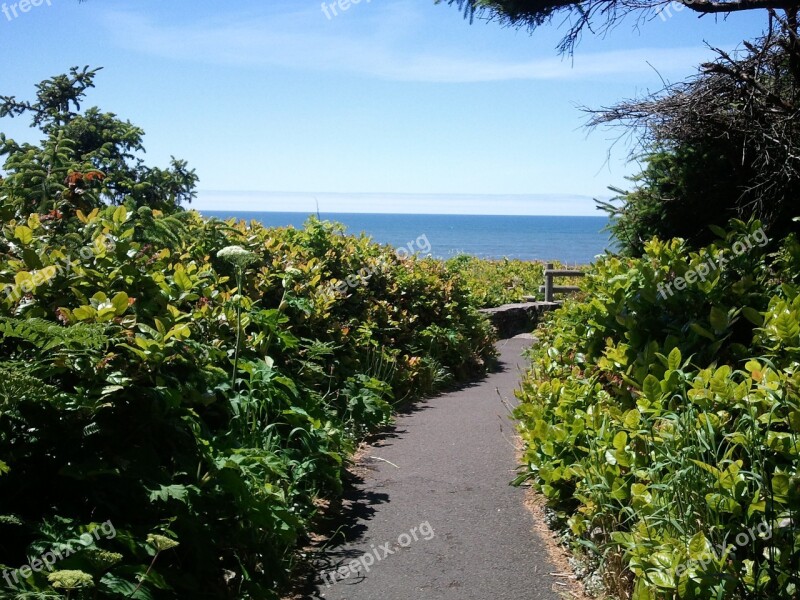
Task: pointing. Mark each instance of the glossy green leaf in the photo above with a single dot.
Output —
(23, 234)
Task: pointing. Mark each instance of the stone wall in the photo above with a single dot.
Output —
(513, 319)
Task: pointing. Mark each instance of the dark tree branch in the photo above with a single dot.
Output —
(598, 15)
(746, 102)
(709, 7)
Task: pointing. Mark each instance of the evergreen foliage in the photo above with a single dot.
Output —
(86, 159)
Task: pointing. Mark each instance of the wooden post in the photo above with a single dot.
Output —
(548, 283)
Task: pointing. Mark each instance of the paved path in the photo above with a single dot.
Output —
(442, 476)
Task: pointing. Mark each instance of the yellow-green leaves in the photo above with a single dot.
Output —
(84, 313)
(28, 282)
(180, 331)
(782, 324)
(651, 388)
(686, 440)
(23, 234)
(120, 215)
(120, 303)
(641, 498)
(632, 419)
(90, 218)
(34, 222)
(182, 280)
(782, 486)
(674, 359)
(699, 547)
(103, 308)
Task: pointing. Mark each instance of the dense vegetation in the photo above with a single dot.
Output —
(722, 145)
(661, 419)
(497, 282)
(662, 411)
(208, 396)
(86, 158)
(178, 396)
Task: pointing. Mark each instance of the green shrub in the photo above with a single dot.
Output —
(201, 403)
(716, 146)
(496, 282)
(663, 428)
(696, 179)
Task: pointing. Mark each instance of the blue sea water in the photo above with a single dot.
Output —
(572, 240)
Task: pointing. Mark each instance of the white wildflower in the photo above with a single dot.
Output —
(237, 256)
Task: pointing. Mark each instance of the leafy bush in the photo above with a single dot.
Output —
(663, 427)
(720, 145)
(496, 282)
(697, 179)
(87, 158)
(198, 385)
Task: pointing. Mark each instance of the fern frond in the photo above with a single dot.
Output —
(16, 384)
(46, 335)
(163, 231)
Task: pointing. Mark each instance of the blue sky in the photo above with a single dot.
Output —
(390, 106)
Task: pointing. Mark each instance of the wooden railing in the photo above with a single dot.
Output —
(549, 289)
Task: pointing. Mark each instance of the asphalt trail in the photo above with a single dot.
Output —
(444, 469)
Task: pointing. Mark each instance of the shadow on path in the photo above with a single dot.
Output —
(430, 513)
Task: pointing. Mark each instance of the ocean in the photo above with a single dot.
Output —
(571, 240)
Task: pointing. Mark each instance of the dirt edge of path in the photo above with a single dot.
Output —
(564, 579)
(306, 570)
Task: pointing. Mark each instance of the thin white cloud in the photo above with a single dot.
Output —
(386, 49)
(445, 204)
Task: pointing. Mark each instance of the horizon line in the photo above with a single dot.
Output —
(389, 214)
(537, 204)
